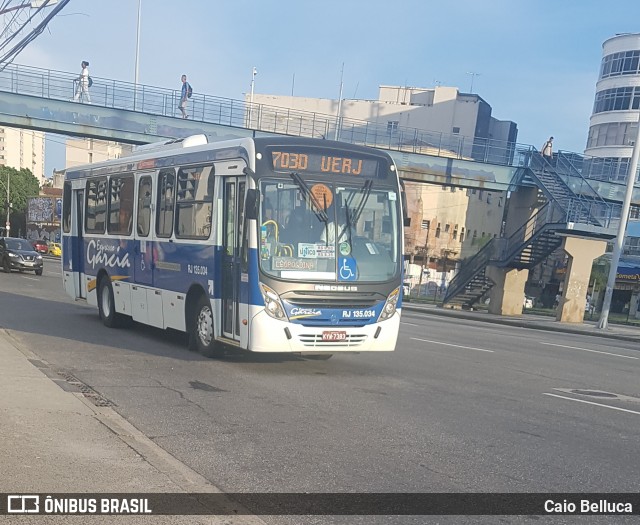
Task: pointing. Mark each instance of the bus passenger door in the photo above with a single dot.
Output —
(233, 216)
(143, 252)
(78, 256)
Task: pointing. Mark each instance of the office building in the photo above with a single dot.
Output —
(461, 122)
(23, 149)
(87, 151)
(614, 120)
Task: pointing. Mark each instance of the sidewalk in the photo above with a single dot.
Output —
(536, 322)
(54, 440)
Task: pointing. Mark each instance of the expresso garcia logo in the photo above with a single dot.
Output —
(101, 254)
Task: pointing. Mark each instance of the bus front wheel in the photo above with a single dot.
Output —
(201, 337)
(107, 306)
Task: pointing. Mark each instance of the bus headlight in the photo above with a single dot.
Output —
(390, 306)
(272, 304)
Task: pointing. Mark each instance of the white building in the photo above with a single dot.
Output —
(87, 151)
(455, 121)
(613, 123)
(23, 149)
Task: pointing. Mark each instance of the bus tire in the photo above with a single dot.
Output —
(201, 336)
(106, 304)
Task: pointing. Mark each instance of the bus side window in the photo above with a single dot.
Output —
(144, 206)
(120, 205)
(166, 202)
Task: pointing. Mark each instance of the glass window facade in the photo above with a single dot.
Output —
(612, 134)
(617, 99)
(623, 63)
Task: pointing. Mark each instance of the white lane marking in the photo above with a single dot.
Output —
(53, 273)
(410, 324)
(588, 350)
(592, 403)
(30, 278)
(449, 344)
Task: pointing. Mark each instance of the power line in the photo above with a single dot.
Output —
(13, 52)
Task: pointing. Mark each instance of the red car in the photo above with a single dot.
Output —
(41, 246)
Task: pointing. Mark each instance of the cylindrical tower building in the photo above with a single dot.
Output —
(614, 121)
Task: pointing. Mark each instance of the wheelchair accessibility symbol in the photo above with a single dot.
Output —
(347, 269)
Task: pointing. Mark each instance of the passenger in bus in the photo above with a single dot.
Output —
(300, 227)
(269, 214)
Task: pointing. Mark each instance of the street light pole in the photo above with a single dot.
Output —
(339, 104)
(8, 224)
(425, 257)
(603, 322)
(253, 81)
(135, 82)
(254, 72)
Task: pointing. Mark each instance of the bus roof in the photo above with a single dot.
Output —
(195, 144)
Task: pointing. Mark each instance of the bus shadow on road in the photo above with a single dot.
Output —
(70, 321)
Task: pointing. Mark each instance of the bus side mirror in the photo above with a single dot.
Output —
(403, 199)
(251, 204)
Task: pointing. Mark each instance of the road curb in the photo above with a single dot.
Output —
(458, 314)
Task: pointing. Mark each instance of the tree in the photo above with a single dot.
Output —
(600, 273)
(22, 185)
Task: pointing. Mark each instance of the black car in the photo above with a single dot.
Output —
(18, 254)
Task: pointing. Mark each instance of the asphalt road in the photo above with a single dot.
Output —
(460, 406)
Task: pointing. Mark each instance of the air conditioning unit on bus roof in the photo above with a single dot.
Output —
(187, 142)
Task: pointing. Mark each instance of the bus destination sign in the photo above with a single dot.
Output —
(324, 163)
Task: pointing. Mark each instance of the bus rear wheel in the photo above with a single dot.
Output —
(201, 337)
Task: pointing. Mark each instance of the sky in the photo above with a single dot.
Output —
(537, 62)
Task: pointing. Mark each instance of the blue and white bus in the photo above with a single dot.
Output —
(270, 244)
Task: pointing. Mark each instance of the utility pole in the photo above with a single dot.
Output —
(603, 322)
(339, 104)
(8, 224)
(135, 81)
(425, 256)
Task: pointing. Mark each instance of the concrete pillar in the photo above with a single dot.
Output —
(581, 251)
(522, 204)
(507, 295)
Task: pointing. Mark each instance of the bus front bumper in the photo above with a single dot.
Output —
(270, 335)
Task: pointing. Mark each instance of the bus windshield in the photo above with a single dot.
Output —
(321, 231)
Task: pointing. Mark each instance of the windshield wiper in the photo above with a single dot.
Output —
(353, 217)
(320, 213)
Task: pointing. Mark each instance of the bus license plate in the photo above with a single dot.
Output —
(334, 335)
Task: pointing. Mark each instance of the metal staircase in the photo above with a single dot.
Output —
(562, 182)
(576, 208)
(471, 283)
